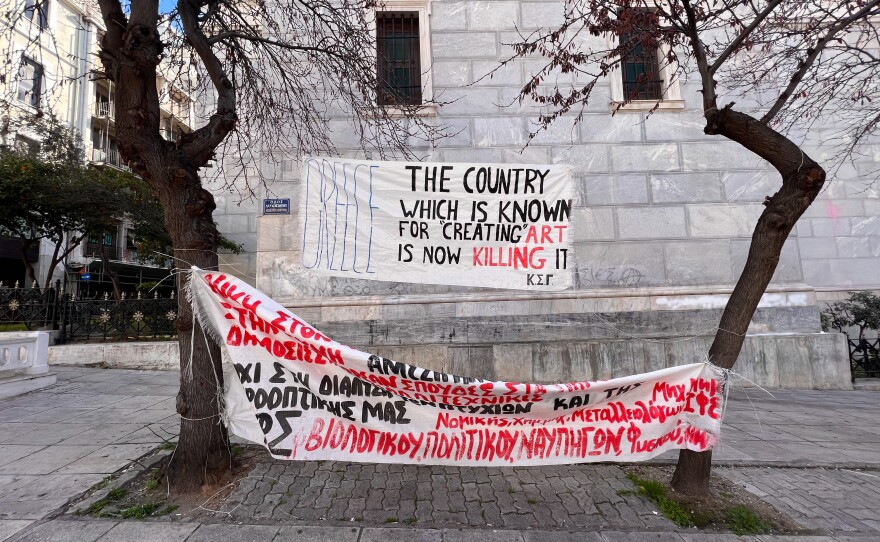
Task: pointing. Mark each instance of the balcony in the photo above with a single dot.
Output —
(117, 253)
(93, 250)
(110, 158)
(105, 110)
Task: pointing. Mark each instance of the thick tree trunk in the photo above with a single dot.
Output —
(130, 52)
(202, 455)
(691, 475)
(802, 179)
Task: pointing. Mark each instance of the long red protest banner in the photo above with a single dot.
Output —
(305, 396)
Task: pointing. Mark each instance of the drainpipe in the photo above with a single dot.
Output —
(83, 39)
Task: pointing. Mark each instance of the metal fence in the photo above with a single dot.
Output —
(134, 317)
(864, 357)
(31, 308)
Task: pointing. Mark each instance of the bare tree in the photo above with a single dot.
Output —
(812, 59)
(272, 74)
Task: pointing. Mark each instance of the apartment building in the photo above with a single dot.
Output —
(55, 68)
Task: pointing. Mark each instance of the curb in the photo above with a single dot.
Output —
(114, 481)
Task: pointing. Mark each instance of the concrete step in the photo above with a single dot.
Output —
(11, 386)
(867, 384)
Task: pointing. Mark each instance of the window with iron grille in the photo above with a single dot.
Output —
(30, 82)
(399, 64)
(640, 70)
(36, 11)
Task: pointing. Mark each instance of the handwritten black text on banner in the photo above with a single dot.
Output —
(505, 226)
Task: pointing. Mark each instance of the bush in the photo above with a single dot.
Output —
(861, 310)
(743, 521)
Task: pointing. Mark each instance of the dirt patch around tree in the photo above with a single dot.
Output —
(146, 495)
(728, 507)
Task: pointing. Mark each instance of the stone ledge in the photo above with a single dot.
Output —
(162, 355)
(420, 325)
(776, 360)
(792, 360)
(20, 384)
(793, 295)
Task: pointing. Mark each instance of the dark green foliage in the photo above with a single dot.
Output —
(53, 193)
(140, 511)
(97, 507)
(861, 310)
(742, 520)
(117, 493)
(739, 519)
(656, 492)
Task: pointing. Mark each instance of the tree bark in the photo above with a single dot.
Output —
(202, 455)
(29, 267)
(130, 52)
(802, 179)
(55, 260)
(110, 272)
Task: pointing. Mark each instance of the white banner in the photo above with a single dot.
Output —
(305, 396)
(490, 225)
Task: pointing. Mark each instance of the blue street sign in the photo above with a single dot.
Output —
(276, 206)
(85, 276)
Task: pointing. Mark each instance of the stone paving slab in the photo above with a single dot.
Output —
(45, 434)
(57, 442)
(37, 509)
(73, 530)
(68, 531)
(139, 531)
(9, 527)
(557, 497)
(234, 533)
(833, 500)
(53, 486)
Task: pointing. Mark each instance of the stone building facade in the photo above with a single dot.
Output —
(663, 216)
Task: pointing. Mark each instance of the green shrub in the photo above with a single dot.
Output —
(656, 492)
(742, 521)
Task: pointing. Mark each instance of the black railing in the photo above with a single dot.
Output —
(88, 319)
(864, 358)
(28, 308)
(108, 319)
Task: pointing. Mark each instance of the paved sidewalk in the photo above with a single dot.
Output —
(816, 429)
(58, 442)
(128, 531)
(801, 428)
(831, 500)
(558, 497)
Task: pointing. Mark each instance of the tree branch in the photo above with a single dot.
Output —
(813, 54)
(289, 46)
(734, 45)
(700, 56)
(199, 145)
(116, 24)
